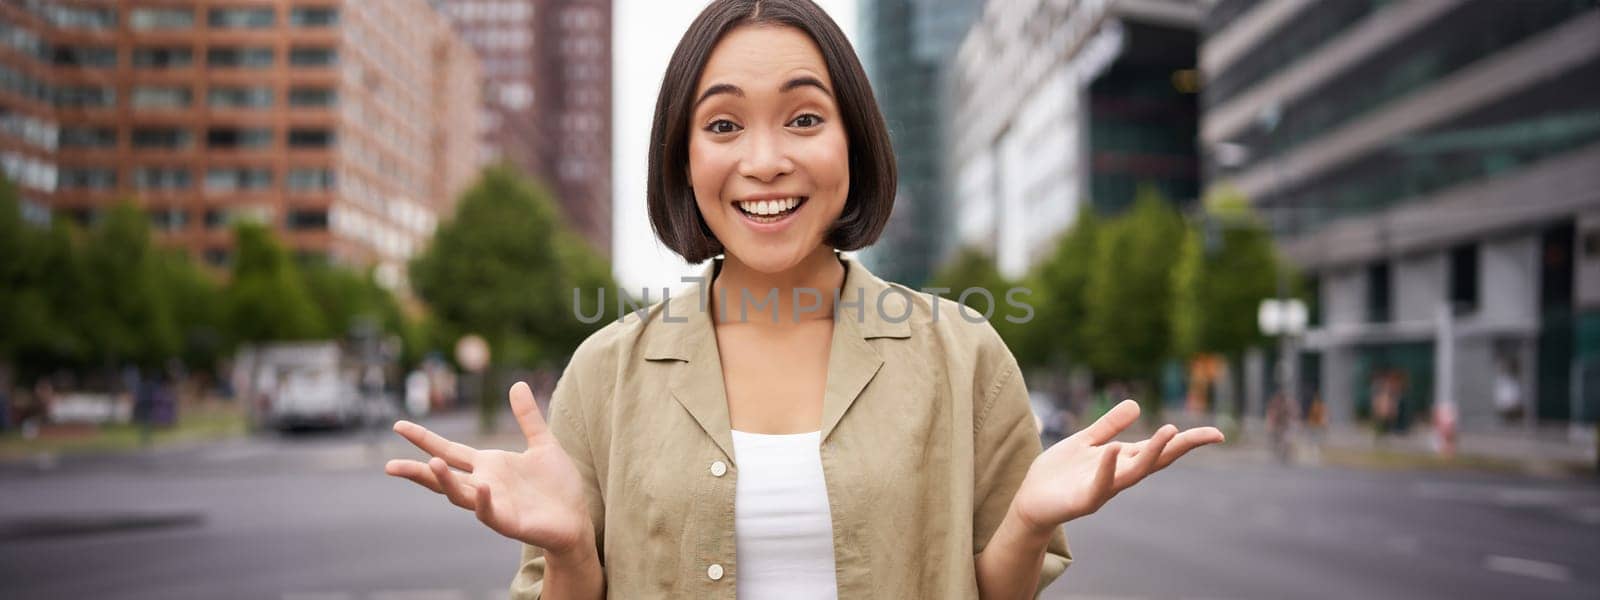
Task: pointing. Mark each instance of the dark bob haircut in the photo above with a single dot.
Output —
(673, 212)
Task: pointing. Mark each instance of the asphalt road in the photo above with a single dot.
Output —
(314, 517)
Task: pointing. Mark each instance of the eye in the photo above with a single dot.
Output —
(806, 121)
(722, 126)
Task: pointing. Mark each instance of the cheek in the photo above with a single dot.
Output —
(708, 168)
(828, 163)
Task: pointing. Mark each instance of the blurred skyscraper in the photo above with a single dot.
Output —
(1423, 159)
(1061, 106)
(547, 97)
(347, 126)
(906, 45)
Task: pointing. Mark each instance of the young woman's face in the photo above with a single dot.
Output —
(768, 157)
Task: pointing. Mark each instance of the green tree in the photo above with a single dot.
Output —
(1129, 304)
(1228, 266)
(130, 318)
(345, 295)
(41, 280)
(1060, 286)
(195, 300)
(973, 268)
(505, 268)
(267, 299)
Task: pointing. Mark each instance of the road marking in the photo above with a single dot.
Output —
(1528, 568)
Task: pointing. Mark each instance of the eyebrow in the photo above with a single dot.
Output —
(728, 88)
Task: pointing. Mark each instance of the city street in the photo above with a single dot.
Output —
(313, 516)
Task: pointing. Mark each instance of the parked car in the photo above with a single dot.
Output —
(304, 384)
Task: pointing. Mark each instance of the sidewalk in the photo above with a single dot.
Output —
(1551, 451)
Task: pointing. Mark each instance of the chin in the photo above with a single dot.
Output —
(770, 257)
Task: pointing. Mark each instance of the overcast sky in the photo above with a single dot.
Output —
(643, 37)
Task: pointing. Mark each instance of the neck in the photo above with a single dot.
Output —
(742, 294)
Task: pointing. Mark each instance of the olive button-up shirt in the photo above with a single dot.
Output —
(926, 434)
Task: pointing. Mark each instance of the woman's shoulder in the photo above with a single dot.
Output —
(934, 315)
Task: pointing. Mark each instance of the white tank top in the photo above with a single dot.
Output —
(783, 529)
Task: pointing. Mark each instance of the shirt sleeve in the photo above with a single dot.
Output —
(566, 423)
(1007, 442)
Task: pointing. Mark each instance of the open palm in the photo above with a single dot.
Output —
(534, 496)
(1077, 475)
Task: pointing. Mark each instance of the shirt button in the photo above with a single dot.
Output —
(718, 469)
(714, 572)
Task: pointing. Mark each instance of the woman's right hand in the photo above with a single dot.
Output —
(534, 496)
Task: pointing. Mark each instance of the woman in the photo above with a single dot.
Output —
(752, 439)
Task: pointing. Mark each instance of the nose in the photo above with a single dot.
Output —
(766, 156)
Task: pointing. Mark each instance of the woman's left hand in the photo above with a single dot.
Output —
(1077, 475)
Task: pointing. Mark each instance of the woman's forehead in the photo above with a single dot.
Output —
(762, 59)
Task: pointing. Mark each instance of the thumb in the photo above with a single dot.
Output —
(527, 412)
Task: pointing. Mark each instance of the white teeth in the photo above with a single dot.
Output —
(769, 207)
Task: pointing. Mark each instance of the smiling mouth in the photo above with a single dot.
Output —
(770, 211)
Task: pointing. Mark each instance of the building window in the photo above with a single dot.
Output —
(313, 57)
(84, 216)
(174, 57)
(80, 17)
(86, 96)
(162, 96)
(25, 85)
(170, 138)
(87, 137)
(308, 96)
(217, 218)
(242, 18)
(84, 56)
(306, 219)
(314, 16)
(168, 219)
(254, 57)
(1464, 279)
(238, 138)
(310, 138)
(240, 97)
(1378, 298)
(33, 130)
(218, 257)
(161, 178)
(309, 180)
(238, 179)
(88, 178)
(141, 19)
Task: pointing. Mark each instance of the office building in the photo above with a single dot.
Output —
(905, 45)
(1431, 166)
(1059, 107)
(349, 127)
(547, 97)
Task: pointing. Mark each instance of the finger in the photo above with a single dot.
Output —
(1110, 424)
(1106, 475)
(459, 494)
(455, 454)
(527, 411)
(415, 471)
(485, 508)
(1149, 456)
(1188, 440)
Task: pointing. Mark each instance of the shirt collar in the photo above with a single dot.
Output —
(683, 332)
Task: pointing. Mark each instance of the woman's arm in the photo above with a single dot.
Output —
(1009, 566)
(1073, 479)
(575, 573)
(1013, 559)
